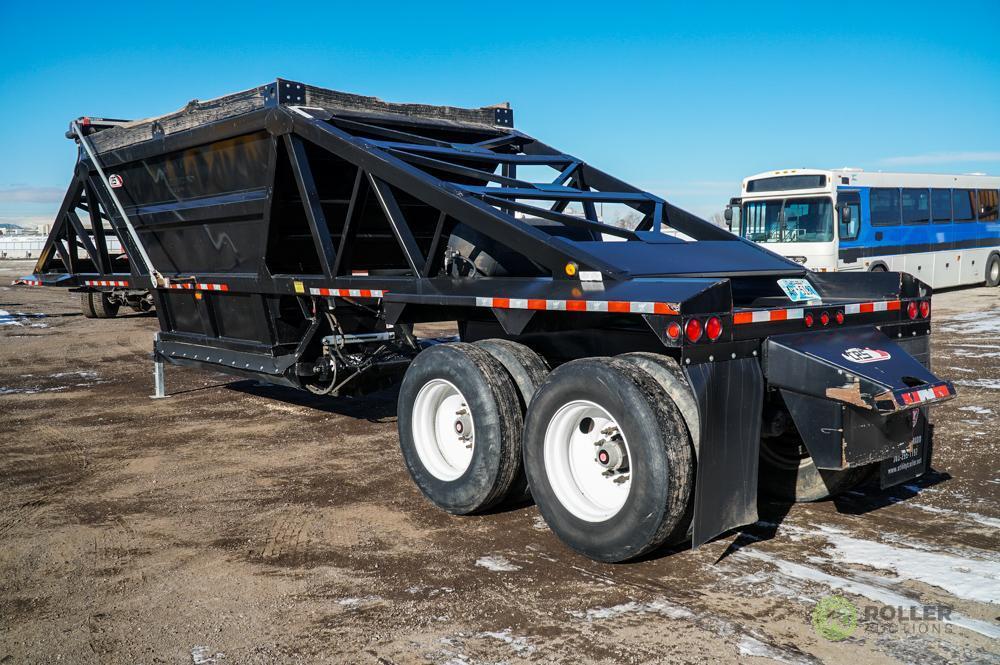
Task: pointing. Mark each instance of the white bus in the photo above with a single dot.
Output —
(942, 229)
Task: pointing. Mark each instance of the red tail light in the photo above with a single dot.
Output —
(713, 328)
(809, 320)
(674, 330)
(693, 330)
(925, 309)
(839, 316)
(824, 318)
(911, 310)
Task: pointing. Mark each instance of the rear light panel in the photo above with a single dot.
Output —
(697, 329)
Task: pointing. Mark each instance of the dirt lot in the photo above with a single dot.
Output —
(240, 523)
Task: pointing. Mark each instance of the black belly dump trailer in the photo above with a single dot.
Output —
(640, 381)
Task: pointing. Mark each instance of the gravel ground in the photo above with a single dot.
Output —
(241, 523)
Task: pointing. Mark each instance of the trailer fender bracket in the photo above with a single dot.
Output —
(861, 368)
(730, 398)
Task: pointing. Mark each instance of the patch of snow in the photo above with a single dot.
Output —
(92, 376)
(964, 577)
(539, 523)
(973, 323)
(975, 517)
(989, 384)
(869, 590)
(30, 390)
(979, 410)
(751, 646)
(17, 318)
(204, 656)
(354, 603)
(658, 606)
(517, 643)
(497, 564)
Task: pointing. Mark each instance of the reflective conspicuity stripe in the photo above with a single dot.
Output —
(613, 306)
(938, 391)
(106, 282)
(869, 307)
(191, 286)
(767, 315)
(27, 282)
(348, 293)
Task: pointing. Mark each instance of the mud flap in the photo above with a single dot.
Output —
(730, 400)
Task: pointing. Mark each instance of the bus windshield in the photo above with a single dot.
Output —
(788, 220)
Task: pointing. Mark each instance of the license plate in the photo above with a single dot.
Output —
(911, 462)
(798, 290)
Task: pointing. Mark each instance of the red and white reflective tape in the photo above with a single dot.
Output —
(927, 394)
(348, 293)
(28, 282)
(191, 286)
(768, 315)
(106, 282)
(869, 307)
(613, 306)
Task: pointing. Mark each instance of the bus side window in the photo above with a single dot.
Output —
(988, 205)
(961, 203)
(851, 201)
(941, 205)
(916, 206)
(884, 206)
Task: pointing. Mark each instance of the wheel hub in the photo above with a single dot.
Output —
(587, 461)
(444, 432)
(611, 453)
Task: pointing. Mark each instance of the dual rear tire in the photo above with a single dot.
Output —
(98, 305)
(605, 450)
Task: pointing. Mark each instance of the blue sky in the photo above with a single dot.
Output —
(683, 99)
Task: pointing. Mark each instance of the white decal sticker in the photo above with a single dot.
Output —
(865, 355)
(115, 181)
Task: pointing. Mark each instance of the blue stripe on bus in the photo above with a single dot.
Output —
(914, 238)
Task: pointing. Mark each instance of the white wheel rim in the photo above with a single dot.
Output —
(443, 430)
(582, 485)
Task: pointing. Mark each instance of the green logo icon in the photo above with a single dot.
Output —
(835, 618)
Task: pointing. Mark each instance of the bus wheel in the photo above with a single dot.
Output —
(788, 473)
(878, 267)
(609, 459)
(993, 270)
(460, 427)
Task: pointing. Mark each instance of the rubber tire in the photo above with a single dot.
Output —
(672, 379)
(528, 370)
(494, 404)
(994, 260)
(87, 306)
(103, 307)
(878, 267)
(655, 510)
(807, 483)
(489, 257)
